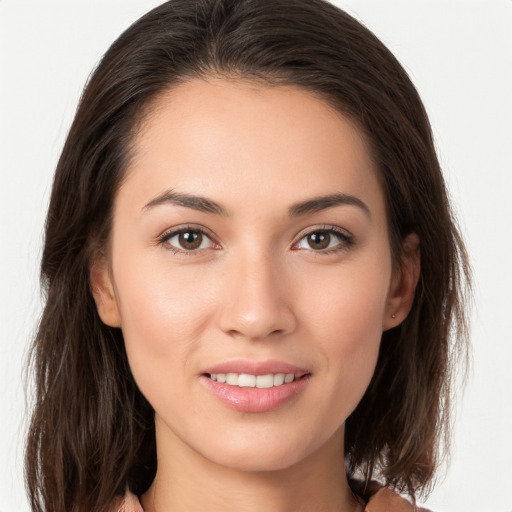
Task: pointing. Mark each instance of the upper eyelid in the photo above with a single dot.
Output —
(325, 228)
(170, 232)
(163, 240)
(346, 238)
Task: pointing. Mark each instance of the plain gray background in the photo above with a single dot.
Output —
(459, 55)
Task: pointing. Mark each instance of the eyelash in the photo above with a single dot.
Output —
(345, 239)
(164, 238)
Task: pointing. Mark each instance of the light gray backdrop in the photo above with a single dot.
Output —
(458, 53)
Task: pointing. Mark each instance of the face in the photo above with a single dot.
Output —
(250, 271)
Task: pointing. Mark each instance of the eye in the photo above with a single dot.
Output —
(325, 240)
(187, 240)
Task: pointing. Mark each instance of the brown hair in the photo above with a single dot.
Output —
(92, 431)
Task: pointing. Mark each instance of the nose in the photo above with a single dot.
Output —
(257, 300)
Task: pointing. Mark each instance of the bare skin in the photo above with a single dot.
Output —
(283, 260)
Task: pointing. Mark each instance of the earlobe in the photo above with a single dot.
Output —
(102, 290)
(403, 286)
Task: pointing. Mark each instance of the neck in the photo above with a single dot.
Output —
(186, 481)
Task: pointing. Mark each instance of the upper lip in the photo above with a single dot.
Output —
(256, 368)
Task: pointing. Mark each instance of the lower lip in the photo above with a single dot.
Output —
(255, 399)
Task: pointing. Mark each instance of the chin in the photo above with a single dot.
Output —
(250, 454)
(252, 461)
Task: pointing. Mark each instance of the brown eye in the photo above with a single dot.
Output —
(190, 240)
(319, 240)
(325, 240)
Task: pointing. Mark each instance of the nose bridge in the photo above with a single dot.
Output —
(257, 302)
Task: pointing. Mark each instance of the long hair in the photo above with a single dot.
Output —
(92, 431)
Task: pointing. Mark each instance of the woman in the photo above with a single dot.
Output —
(253, 276)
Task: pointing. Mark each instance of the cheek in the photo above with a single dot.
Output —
(162, 316)
(345, 320)
(346, 303)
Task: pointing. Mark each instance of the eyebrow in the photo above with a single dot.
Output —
(205, 205)
(201, 204)
(320, 203)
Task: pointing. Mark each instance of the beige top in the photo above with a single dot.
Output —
(383, 500)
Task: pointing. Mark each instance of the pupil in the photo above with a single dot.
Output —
(319, 240)
(190, 240)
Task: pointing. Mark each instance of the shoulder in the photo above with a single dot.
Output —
(379, 499)
(385, 500)
(127, 503)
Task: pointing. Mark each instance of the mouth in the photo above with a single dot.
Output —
(256, 387)
(247, 380)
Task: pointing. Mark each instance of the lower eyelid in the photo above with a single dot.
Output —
(164, 238)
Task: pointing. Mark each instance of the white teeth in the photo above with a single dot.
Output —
(232, 379)
(264, 381)
(245, 380)
(278, 379)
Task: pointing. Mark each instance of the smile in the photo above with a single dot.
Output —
(255, 392)
(245, 380)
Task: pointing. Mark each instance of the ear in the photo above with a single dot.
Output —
(403, 284)
(102, 290)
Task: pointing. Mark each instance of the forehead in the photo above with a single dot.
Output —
(237, 141)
